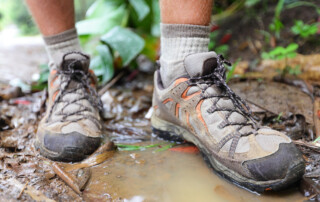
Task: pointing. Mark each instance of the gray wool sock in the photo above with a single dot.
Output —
(58, 45)
(178, 41)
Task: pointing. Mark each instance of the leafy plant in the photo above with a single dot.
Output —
(304, 30)
(115, 32)
(284, 53)
(219, 48)
(278, 118)
(276, 24)
(230, 72)
(280, 52)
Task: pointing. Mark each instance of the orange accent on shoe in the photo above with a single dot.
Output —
(178, 81)
(177, 110)
(53, 72)
(167, 100)
(188, 121)
(91, 71)
(198, 109)
(52, 82)
(187, 97)
(155, 107)
(55, 95)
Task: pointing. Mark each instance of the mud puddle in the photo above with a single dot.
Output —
(166, 176)
(160, 172)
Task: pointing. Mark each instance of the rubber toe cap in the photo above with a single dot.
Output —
(72, 146)
(286, 161)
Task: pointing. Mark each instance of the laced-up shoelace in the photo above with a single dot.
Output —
(82, 79)
(218, 78)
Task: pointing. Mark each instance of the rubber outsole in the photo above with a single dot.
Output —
(69, 154)
(171, 132)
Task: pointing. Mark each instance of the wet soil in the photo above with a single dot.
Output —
(159, 173)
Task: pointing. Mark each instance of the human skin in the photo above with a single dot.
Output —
(56, 16)
(52, 16)
(194, 12)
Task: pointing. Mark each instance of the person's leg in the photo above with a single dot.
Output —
(184, 30)
(193, 102)
(56, 22)
(71, 127)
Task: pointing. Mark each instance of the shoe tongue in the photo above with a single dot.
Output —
(200, 64)
(75, 61)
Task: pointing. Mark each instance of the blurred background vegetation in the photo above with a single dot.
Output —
(125, 33)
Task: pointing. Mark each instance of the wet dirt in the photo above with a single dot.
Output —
(159, 173)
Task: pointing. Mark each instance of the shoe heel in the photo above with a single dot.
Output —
(166, 135)
(166, 130)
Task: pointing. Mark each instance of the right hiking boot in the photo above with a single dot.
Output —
(199, 107)
(71, 127)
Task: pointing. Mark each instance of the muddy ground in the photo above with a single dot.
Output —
(137, 174)
(143, 167)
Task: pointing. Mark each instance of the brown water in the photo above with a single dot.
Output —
(167, 176)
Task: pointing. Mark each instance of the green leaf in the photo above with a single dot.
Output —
(102, 7)
(291, 55)
(127, 43)
(102, 24)
(231, 70)
(155, 29)
(141, 7)
(102, 64)
(292, 47)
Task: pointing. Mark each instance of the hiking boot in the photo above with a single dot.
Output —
(71, 127)
(200, 108)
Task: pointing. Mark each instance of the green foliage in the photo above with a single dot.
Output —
(15, 12)
(42, 81)
(230, 72)
(284, 53)
(276, 24)
(127, 43)
(120, 29)
(222, 49)
(278, 118)
(281, 53)
(304, 30)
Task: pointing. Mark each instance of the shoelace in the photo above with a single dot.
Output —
(82, 79)
(218, 78)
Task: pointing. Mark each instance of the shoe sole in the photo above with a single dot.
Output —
(170, 131)
(70, 153)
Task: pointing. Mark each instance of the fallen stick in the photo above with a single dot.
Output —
(66, 177)
(22, 190)
(110, 84)
(103, 153)
(316, 115)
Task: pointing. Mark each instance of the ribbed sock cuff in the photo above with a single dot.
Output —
(178, 41)
(183, 30)
(61, 37)
(60, 44)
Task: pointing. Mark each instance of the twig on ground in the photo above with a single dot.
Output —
(69, 180)
(22, 190)
(110, 84)
(316, 115)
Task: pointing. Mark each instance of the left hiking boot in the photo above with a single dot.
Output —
(201, 108)
(71, 127)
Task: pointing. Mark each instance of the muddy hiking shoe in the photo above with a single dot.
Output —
(71, 127)
(200, 108)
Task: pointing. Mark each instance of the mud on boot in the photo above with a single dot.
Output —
(71, 127)
(201, 108)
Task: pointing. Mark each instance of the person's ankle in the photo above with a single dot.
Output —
(178, 41)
